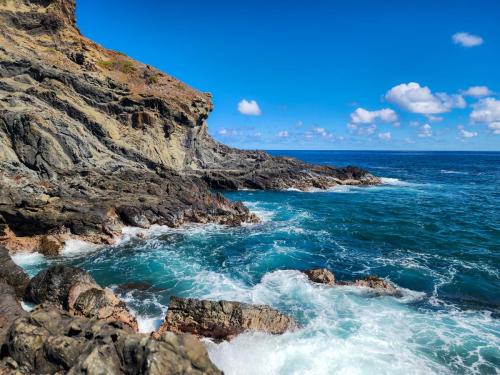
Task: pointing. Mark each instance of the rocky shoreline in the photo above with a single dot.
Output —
(78, 327)
(92, 140)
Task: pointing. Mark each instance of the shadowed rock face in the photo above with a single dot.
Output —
(49, 341)
(222, 319)
(10, 310)
(92, 140)
(12, 274)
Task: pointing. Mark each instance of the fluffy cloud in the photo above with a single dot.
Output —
(417, 99)
(363, 116)
(477, 91)
(495, 127)
(487, 111)
(466, 39)
(362, 129)
(323, 132)
(466, 134)
(425, 131)
(384, 136)
(249, 108)
(283, 134)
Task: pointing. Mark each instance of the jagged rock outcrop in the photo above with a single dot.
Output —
(222, 320)
(12, 274)
(91, 140)
(49, 341)
(321, 276)
(377, 285)
(76, 291)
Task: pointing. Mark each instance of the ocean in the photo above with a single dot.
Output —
(432, 228)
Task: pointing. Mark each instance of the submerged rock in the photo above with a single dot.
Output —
(321, 276)
(49, 341)
(12, 274)
(222, 320)
(76, 291)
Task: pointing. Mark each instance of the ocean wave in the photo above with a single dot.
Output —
(27, 259)
(445, 171)
(394, 181)
(74, 248)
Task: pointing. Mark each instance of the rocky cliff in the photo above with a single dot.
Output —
(91, 140)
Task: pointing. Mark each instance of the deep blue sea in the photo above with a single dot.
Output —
(433, 229)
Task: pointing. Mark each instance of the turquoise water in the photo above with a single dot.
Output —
(433, 229)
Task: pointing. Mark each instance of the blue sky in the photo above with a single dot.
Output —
(402, 75)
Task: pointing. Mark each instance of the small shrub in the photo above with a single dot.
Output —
(124, 66)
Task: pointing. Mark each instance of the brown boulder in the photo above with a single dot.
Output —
(321, 275)
(222, 319)
(379, 286)
(76, 291)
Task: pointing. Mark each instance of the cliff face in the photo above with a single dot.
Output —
(91, 139)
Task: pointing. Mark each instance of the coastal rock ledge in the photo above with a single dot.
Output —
(222, 320)
(92, 140)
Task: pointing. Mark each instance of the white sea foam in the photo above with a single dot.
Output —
(262, 213)
(346, 331)
(445, 171)
(27, 306)
(27, 259)
(393, 181)
(78, 247)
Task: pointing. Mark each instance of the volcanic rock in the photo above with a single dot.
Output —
(77, 292)
(222, 320)
(321, 276)
(10, 310)
(49, 341)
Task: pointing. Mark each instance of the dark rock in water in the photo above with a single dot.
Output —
(49, 341)
(378, 285)
(321, 275)
(76, 291)
(12, 274)
(222, 319)
(10, 309)
(93, 140)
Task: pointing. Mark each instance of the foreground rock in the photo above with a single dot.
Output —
(222, 320)
(12, 274)
(93, 140)
(76, 291)
(10, 310)
(377, 285)
(49, 341)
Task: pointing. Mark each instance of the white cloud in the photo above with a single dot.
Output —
(466, 39)
(363, 116)
(466, 134)
(425, 131)
(222, 132)
(384, 136)
(495, 127)
(434, 118)
(323, 132)
(417, 99)
(249, 108)
(362, 129)
(477, 91)
(283, 134)
(487, 111)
